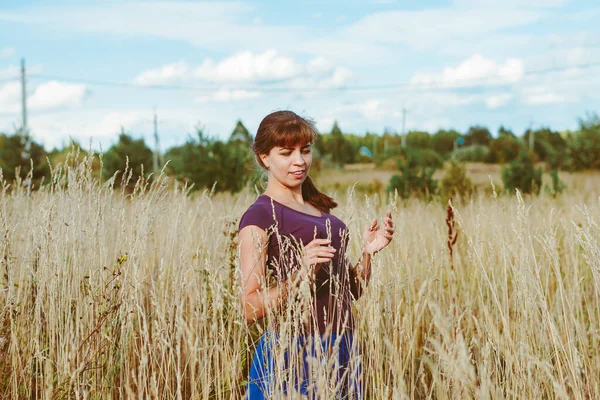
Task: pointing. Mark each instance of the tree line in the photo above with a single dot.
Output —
(228, 165)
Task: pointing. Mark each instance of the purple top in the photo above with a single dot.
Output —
(334, 288)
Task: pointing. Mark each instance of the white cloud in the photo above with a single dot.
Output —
(7, 52)
(10, 98)
(247, 66)
(10, 72)
(225, 95)
(499, 100)
(167, 74)
(475, 70)
(541, 95)
(53, 95)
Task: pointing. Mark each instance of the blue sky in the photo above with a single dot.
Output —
(94, 66)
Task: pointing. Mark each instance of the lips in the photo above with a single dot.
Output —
(298, 173)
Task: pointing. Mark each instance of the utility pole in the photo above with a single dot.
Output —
(404, 111)
(531, 136)
(156, 153)
(24, 133)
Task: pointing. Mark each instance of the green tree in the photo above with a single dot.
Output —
(443, 141)
(419, 140)
(456, 184)
(521, 174)
(337, 144)
(478, 135)
(504, 148)
(14, 156)
(240, 134)
(127, 148)
(414, 179)
(203, 161)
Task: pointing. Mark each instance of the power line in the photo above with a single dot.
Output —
(462, 83)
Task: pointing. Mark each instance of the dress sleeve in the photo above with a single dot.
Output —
(257, 215)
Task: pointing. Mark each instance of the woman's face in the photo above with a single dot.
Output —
(288, 165)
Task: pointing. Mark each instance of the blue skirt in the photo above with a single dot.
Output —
(302, 365)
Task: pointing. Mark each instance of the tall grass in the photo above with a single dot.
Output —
(109, 294)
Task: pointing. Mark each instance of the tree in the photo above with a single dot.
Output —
(240, 134)
(502, 131)
(522, 175)
(13, 157)
(504, 148)
(443, 141)
(478, 135)
(127, 148)
(203, 161)
(415, 179)
(456, 184)
(337, 144)
(419, 140)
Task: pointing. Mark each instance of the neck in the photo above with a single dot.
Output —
(284, 194)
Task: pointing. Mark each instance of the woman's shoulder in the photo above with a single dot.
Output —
(260, 213)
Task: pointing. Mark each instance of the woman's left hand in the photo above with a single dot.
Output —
(376, 236)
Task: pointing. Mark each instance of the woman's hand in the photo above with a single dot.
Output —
(317, 252)
(376, 237)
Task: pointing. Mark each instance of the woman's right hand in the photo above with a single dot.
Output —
(317, 252)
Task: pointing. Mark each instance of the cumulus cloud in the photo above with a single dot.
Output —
(226, 95)
(248, 67)
(7, 52)
(254, 68)
(475, 70)
(10, 96)
(498, 100)
(541, 95)
(170, 73)
(54, 94)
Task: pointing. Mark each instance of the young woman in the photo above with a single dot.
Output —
(295, 272)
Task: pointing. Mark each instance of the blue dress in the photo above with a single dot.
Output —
(297, 374)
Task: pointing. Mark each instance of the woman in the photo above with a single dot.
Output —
(288, 236)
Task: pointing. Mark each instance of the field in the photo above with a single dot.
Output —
(112, 295)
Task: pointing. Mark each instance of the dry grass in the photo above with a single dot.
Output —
(107, 295)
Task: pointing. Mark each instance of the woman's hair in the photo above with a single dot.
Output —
(287, 129)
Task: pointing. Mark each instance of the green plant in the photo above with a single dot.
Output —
(521, 174)
(415, 179)
(455, 184)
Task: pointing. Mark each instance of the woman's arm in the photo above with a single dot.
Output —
(257, 298)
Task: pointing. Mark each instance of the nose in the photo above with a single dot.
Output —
(298, 160)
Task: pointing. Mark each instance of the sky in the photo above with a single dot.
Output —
(96, 67)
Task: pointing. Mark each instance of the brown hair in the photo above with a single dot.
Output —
(287, 129)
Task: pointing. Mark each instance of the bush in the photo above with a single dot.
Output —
(503, 149)
(456, 185)
(421, 158)
(415, 179)
(557, 185)
(14, 161)
(475, 153)
(522, 175)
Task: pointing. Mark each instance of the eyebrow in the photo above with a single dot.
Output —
(292, 148)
